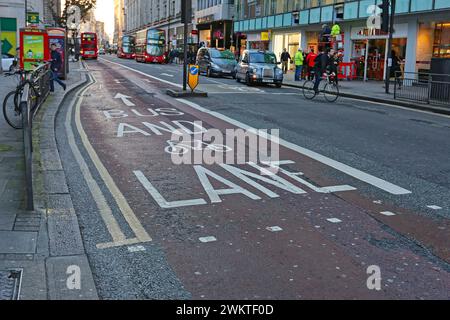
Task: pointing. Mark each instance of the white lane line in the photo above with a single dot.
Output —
(122, 203)
(274, 229)
(388, 213)
(434, 207)
(143, 73)
(334, 220)
(360, 175)
(207, 239)
(167, 75)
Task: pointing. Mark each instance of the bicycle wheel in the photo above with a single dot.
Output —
(331, 92)
(308, 90)
(11, 111)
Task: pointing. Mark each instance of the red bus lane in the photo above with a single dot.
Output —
(231, 231)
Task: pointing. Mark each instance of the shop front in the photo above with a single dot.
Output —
(370, 50)
(258, 41)
(214, 34)
(289, 41)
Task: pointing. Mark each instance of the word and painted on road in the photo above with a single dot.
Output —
(246, 178)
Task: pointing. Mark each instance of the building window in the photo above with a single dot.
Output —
(441, 47)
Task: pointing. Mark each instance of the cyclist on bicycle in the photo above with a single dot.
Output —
(323, 63)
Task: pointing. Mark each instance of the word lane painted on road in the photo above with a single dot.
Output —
(259, 176)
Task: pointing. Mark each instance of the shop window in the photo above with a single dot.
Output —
(287, 20)
(279, 20)
(304, 17)
(441, 4)
(364, 6)
(420, 5)
(264, 23)
(351, 10)
(314, 15)
(327, 14)
(236, 26)
(402, 6)
(258, 24)
(270, 22)
(252, 24)
(441, 47)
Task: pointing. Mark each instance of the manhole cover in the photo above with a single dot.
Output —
(10, 283)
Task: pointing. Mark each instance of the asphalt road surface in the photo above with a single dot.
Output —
(359, 188)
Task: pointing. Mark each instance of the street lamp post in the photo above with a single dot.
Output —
(26, 14)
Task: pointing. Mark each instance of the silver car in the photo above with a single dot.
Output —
(257, 66)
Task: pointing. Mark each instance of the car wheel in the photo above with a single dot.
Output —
(208, 73)
(278, 85)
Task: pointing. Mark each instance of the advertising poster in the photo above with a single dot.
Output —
(60, 47)
(33, 49)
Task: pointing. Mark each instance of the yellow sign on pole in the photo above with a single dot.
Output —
(265, 36)
(193, 76)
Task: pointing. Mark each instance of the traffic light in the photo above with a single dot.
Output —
(384, 6)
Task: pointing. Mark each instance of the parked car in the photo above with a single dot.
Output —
(256, 66)
(214, 62)
(7, 62)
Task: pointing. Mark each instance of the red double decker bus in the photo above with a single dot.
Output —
(89, 48)
(150, 46)
(126, 47)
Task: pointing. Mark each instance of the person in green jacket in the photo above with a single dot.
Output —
(298, 59)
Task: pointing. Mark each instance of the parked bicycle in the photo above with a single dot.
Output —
(11, 103)
(328, 86)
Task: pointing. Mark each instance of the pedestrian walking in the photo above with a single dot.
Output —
(298, 60)
(55, 66)
(395, 71)
(310, 63)
(285, 58)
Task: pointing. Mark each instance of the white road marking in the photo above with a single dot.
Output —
(334, 220)
(143, 73)
(127, 212)
(125, 100)
(136, 248)
(163, 203)
(388, 213)
(377, 201)
(167, 75)
(207, 239)
(274, 229)
(434, 207)
(360, 175)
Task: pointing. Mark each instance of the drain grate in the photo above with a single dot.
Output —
(10, 283)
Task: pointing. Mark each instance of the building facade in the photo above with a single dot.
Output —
(160, 14)
(119, 23)
(12, 18)
(213, 19)
(422, 30)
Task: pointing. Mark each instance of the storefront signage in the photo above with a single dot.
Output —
(33, 17)
(362, 33)
(206, 19)
(265, 36)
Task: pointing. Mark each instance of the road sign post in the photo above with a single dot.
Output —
(193, 77)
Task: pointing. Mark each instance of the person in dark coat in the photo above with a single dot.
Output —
(323, 62)
(55, 66)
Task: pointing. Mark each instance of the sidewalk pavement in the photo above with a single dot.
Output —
(43, 243)
(373, 91)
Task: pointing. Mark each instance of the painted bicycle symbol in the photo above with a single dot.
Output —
(180, 148)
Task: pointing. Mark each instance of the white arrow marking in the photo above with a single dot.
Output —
(125, 99)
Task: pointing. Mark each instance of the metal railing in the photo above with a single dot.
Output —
(38, 87)
(429, 88)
